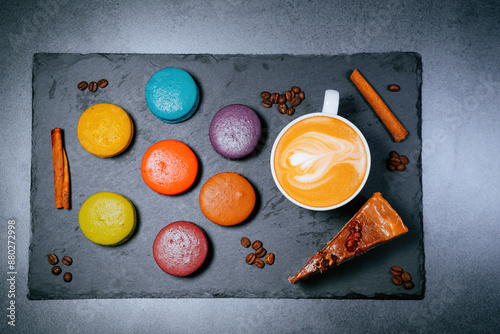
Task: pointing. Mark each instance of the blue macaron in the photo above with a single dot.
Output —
(172, 95)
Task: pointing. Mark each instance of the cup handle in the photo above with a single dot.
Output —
(331, 102)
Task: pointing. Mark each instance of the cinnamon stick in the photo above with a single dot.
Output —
(395, 127)
(61, 170)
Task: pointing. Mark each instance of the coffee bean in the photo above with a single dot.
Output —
(67, 277)
(265, 95)
(406, 277)
(401, 168)
(52, 258)
(395, 162)
(269, 258)
(56, 270)
(282, 108)
(393, 88)
(282, 98)
(260, 252)
(302, 95)
(83, 85)
(295, 101)
(250, 258)
(404, 159)
(274, 97)
(93, 86)
(289, 95)
(102, 83)
(395, 270)
(245, 242)
(296, 89)
(267, 103)
(259, 263)
(391, 168)
(397, 280)
(256, 244)
(67, 260)
(408, 285)
(290, 111)
(394, 154)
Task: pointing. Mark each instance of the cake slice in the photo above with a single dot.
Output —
(375, 223)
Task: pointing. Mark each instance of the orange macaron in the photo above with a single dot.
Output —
(169, 167)
(227, 199)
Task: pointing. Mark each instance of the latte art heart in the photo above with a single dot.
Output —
(313, 154)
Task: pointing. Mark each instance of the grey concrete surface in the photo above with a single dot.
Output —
(459, 42)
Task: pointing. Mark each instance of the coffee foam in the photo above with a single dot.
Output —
(313, 154)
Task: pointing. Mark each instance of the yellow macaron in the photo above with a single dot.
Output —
(107, 218)
(105, 130)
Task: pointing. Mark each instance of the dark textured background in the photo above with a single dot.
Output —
(459, 45)
(290, 232)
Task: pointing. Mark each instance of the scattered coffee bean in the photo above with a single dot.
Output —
(395, 270)
(256, 244)
(406, 277)
(395, 162)
(401, 168)
(409, 285)
(259, 263)
(393, 88)
(267, 103)
(282, 108)
(274, 97)
(83, 85)
(67, 260)
(269, 258)
(93, 86)
(250, 259)
(260, 252)
(56, 270)
(245, 242)
(295, 101)
(265, 95)
(402, 277)
(102, 83)
(394, 154)
(293, 95)
(67, 277)
(52, 258)
(397, 280)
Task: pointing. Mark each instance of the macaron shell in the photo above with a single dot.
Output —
(169, 167)
(105, 130)
(180, 248)
(172, 95)
(107, 218)
(227, 199)
(235, 131)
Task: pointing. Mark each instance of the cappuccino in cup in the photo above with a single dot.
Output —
(320, 161)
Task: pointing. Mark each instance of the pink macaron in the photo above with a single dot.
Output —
(180, 248)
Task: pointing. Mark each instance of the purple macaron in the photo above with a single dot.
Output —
(235, 131)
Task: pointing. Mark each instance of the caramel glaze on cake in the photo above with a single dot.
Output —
(375, 223)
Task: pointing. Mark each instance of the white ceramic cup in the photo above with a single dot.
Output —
(330, 109)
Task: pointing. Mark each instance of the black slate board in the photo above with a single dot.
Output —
(292, 233)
